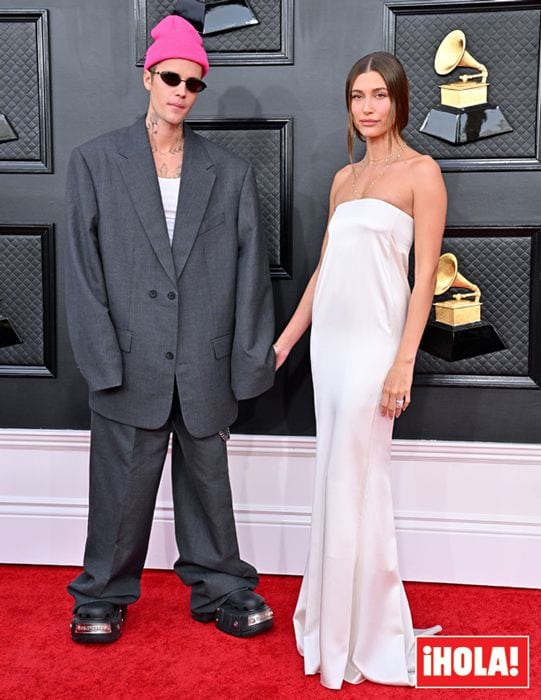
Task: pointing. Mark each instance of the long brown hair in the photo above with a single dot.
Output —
(392, 72)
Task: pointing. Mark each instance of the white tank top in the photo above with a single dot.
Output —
(169, 187)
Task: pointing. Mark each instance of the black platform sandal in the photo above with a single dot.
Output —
(98, 622)
(243, 614)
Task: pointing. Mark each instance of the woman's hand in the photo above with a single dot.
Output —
(281, 355)
(396, 395)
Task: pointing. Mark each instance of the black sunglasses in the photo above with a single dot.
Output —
(173, 79)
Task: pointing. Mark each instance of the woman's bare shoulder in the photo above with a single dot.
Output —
(343, 174)
(423, 165)
(340, 180)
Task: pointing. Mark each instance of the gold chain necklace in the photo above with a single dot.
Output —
(389, 160)
(373, 161)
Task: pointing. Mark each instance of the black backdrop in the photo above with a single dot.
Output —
(95, 86)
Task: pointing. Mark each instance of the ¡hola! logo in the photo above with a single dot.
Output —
(472, 662)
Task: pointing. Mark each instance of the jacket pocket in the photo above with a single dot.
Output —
(222, 346)
(124, 339)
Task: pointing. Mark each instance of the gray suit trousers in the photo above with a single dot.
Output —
(125, 468)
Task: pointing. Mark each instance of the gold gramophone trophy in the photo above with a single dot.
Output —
(457, 332)
(465, 114)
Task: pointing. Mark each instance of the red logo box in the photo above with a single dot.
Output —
(473, 662)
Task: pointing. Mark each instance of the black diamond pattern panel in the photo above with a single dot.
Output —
(507, 43)
(263, 37)
(500, 266)
(19, 89)
(262, 147)
(21, 297)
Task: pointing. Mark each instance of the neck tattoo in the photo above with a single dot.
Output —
(176, 148)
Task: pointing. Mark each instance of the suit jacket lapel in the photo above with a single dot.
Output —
(137, 167)
(196, 184)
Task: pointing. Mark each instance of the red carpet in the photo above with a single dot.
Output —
(163, 654)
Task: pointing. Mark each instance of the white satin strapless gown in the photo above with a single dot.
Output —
(352, 620)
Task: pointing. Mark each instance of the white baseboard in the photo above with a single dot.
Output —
(465, 512)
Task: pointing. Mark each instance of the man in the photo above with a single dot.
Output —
(170, 316)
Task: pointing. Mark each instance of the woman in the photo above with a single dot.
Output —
(352, 620)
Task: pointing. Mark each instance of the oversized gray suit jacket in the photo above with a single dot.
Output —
(142, 313)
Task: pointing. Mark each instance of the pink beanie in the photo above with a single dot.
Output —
(174, 37)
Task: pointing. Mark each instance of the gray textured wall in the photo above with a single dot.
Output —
(96, 87)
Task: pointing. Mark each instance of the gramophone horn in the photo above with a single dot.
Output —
(448, 276)
(447, 269)
(452, 53)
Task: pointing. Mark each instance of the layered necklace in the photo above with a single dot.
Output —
(365, 162)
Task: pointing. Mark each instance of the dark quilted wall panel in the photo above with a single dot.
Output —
(26, 278)
(19, 88)
(265, 38)
(500, 266)
(507, 42)
(267, 149)
(24, 96)
(21, 285)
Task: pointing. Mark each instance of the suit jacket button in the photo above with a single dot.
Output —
(171, 295)
(153, 294)
(169, 355)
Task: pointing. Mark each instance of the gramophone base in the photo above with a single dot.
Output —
(7, 132)
(464, 125)
(7, 334)
(219, 16)
(454, 343)
(233, 14)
